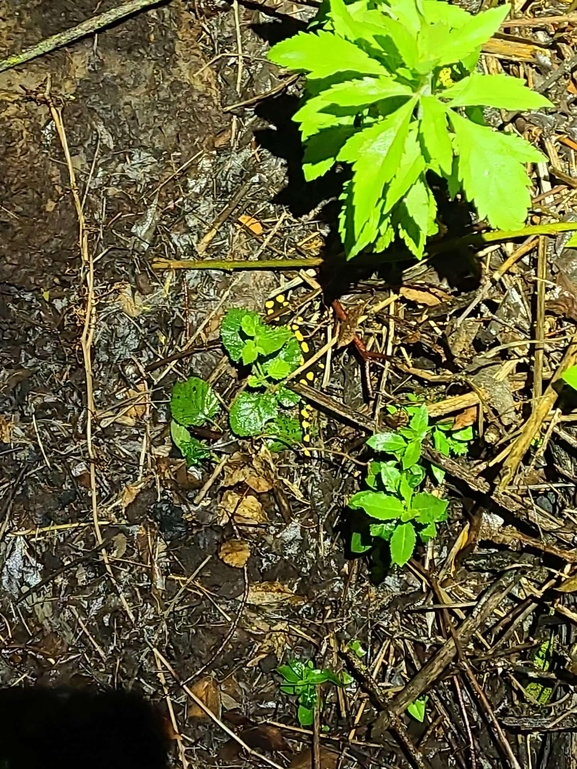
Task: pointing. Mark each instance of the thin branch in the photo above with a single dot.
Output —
(85, 28)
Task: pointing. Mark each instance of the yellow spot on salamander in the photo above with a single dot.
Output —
(305, 347)
(307, 438)
(299, 335)
(303, 381)
(269, 304)
(305, 424)
(310, 376)
(270, 311)
(281, 299)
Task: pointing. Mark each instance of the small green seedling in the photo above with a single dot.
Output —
(393, 92)
(396, 510)
(357, 648)
(301, 680)
(265, 409)
(272, 354)
(417, 709)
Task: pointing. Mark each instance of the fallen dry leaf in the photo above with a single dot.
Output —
(270, 594)
(234, 553)
(569, 586)
(207, 691)
(304, 759)
(130, 303)
(466, 418)
(264, 737)
(6, 429)
(253, 224)
(419, 296)
(119, 541)
(242, 468)
(244, 509)
(129, 494)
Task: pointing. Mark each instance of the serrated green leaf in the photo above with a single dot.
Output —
(411, 455)
(358, 93)
(440, 12)
(387, 441)
(500, 91)
(290, 353)
(402, 543)
(375, 153)
(284, 431)
(492, 172)
(278, 369)
(230, 331)
(377, 505)
(250, 323)
(321, 150)
(410, 168)
(471, 35)
(323, 54)
(193, 402)
(249, 352)
(250, 413)
(570, 376)
(286, 397)
(428, 532)
(414, 216)
(193, 450)
(390, 475)
(270, 340)
(415, 475)
(382, 530)
(434, 133)
(429, 508)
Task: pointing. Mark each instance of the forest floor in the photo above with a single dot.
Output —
(112, 567)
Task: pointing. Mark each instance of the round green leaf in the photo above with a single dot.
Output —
(193, 402)
(251, 411)
(429, 508)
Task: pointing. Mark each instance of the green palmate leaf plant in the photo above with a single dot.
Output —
(392, 91)
(395, 509)
(302, 680)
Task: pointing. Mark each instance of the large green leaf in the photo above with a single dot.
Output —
(402, 543)
(313, 122)
(434, 134)
(413, 217)
(471, 35)
(387, 441)
(359, 93)
(439, 11)
(250, 413)
(500, 91)
(323, 54)
(375, 154)
(410, 168)
(378, 505)
(429, 508)
(321, 150)
(290, 353)
(230, 331)
(193, 402)
(492, 172)
(190, 447)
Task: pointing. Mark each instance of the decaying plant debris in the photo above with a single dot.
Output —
(168, 138)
